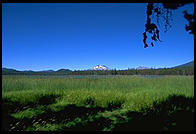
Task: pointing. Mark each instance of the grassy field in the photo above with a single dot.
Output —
(98, 104)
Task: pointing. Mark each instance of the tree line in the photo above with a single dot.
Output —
(161, 71)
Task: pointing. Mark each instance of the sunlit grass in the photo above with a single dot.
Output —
(132, 92)
(124, 94)
(29, 113)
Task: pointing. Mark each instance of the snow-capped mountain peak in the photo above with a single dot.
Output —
(141, 68)
(100, 67)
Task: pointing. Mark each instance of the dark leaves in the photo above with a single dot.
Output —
(157, 11)
(144, 40)
(149, 9)
(145, 45)
(152, 44)
(154, 37)
(172, 5)
(157, 33)
(165, 11)
(150, 27)
(190, 19)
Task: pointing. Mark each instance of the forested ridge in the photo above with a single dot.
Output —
(152, 71)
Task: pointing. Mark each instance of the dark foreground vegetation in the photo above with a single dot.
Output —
(176, 113)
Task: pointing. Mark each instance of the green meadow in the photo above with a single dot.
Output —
(123, 103)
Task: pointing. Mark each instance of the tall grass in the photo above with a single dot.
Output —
(133, 92)
(124, 84)
(118, 96)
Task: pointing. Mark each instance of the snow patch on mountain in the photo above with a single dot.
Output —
(100, 67)
(141, 68)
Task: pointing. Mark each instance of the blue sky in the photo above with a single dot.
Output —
(79, 36)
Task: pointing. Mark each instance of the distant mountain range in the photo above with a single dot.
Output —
(13, 71)
(67, 71)
(189, 64)
(9, 70)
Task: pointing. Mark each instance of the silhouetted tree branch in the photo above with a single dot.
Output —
(163, 10)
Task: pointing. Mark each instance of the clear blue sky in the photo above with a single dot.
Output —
(78, 36)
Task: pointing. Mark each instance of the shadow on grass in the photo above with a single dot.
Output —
(95, 125)
(176, 113)
(9, 107)
(68, 114)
